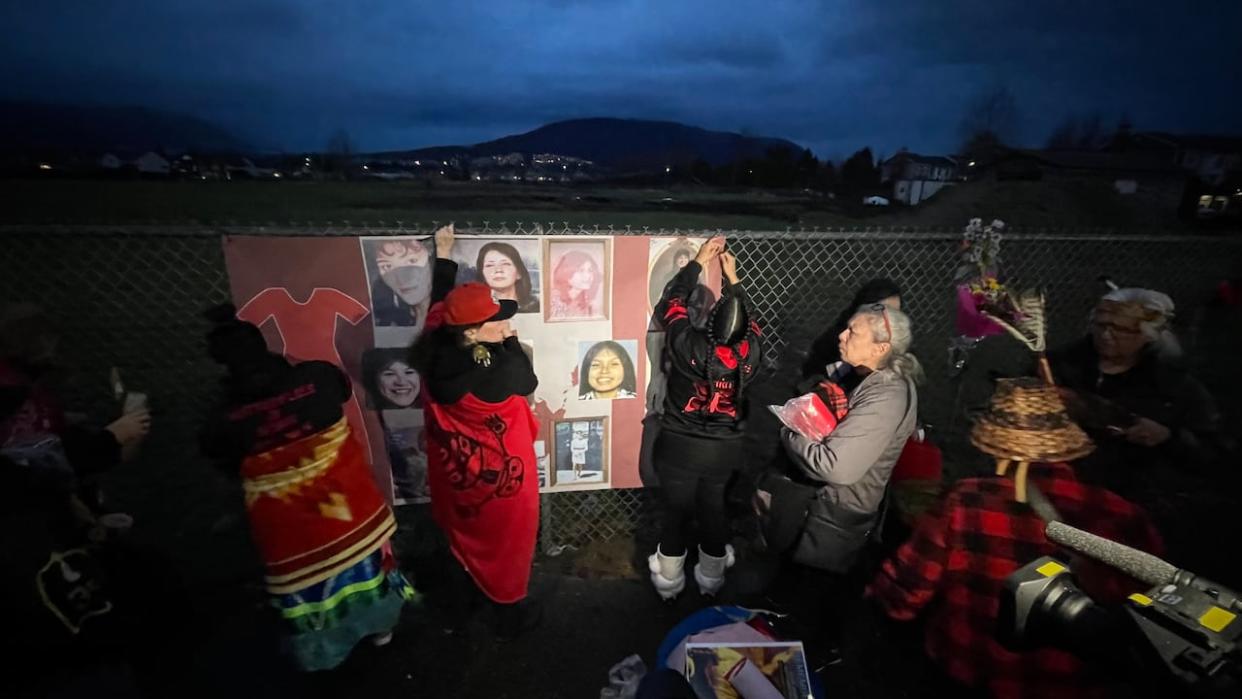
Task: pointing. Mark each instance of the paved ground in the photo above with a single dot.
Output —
(593, 620)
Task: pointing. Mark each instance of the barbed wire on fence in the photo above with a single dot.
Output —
(536, 228)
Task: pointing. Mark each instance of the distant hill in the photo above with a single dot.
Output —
(29, 125)
(622, 144)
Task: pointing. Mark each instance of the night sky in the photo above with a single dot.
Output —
(832, 76)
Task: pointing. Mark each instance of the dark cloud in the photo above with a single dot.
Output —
(832, 76)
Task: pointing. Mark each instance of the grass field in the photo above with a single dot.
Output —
(1024, 204)
(80, 201)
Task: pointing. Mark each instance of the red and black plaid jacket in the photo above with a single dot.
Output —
(959, 556)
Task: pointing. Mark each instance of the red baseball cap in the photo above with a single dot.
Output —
(472, 303)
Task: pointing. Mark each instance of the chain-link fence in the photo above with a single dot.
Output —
(131, 298)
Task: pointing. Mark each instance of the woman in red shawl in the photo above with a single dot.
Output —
(481, 464)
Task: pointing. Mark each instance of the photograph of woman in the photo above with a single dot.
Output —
(400, 274)
(668, 257)
(501, 267)
(578, 443)
(606, 371)
(405, 437)
(579, 282)
(581, 451)
(390, 382)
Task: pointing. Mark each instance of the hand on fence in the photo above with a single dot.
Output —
(710, 250)
(728, 265)
(445, 235)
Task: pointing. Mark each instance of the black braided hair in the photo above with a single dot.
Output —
(715, 369)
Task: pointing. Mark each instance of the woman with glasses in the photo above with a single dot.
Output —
(1124, 385)
(824, 350)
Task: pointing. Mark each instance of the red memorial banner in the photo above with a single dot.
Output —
(585, 308)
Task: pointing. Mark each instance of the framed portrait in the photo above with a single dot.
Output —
(581, 451)
(510, 266)
(578, 282)
(607, 369)
(388, 380)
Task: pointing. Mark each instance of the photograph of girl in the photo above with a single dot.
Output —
(509, 267)
(606, 370)
(579, 282)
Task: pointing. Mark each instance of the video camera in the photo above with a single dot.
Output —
(1185, 626)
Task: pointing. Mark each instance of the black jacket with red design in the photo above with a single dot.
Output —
(706, 381)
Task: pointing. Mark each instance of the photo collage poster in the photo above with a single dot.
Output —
(584, 313)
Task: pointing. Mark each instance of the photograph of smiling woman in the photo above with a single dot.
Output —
(607, 372)
(389, 380)
(500, 266)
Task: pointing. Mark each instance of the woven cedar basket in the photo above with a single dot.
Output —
(1027, 422)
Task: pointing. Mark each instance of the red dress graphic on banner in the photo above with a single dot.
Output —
(308, 332)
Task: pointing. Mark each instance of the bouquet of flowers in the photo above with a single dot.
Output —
(979, 287)
(985, 306)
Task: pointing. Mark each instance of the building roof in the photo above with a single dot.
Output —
(1208, 142)
(1131, 162)
(907, 156)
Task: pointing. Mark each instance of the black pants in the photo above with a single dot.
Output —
(694, 473)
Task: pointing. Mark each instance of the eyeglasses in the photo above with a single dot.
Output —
(883, 311)
(1115, 329)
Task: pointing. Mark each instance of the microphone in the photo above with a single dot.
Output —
(1137, 564)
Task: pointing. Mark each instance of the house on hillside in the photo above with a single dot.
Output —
(1212, 159)
(1148, 178)
(914, 178)
(152, 163)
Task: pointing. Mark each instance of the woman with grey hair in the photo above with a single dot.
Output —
(850, 468)
(1124, 386)
(878, 375)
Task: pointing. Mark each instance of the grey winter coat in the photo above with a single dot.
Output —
(854, 463)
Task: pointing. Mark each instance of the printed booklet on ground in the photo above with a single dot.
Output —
(776, 670)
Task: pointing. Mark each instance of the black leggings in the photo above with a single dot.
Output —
(694, 473)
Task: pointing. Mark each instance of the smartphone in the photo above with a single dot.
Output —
(134, 402)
